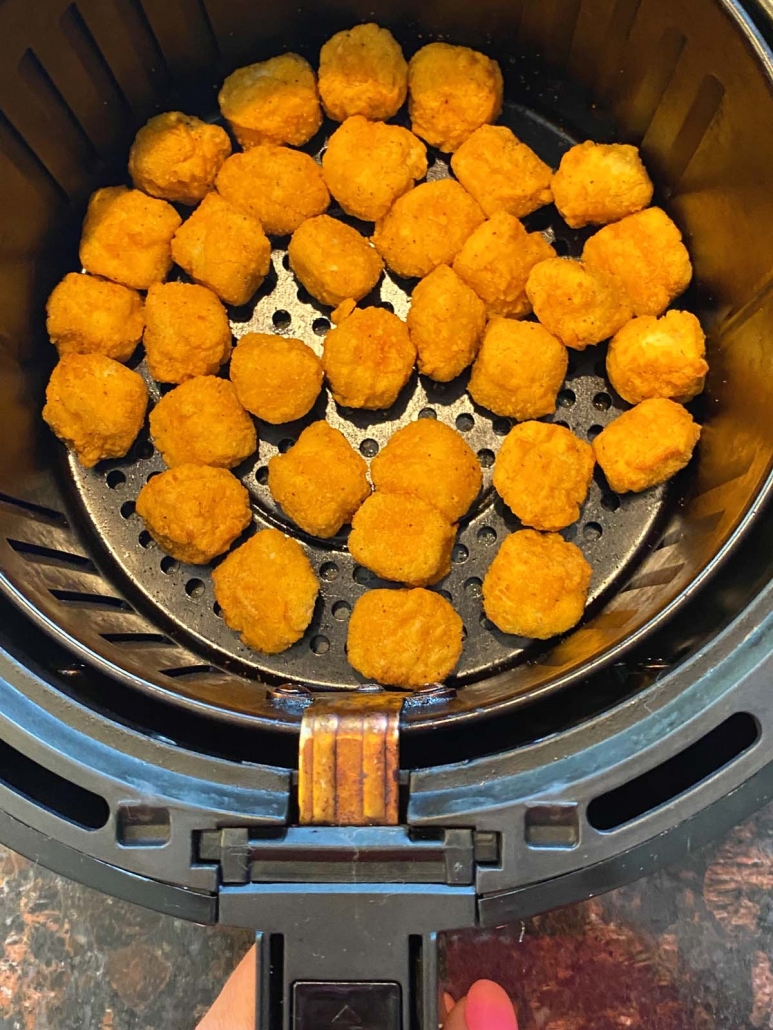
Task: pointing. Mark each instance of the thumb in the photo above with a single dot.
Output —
(234, 1009)
(486, 1007)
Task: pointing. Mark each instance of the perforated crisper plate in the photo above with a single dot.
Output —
(611, 531)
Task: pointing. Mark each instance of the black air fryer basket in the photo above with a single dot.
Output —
(145, 751)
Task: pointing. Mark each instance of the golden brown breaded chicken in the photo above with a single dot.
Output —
(202, 422)
(502, 173)
(368, 359)
(278, 186)
(658, 357)
(127, 237)
(646, 445)
(194, 512)
(86, 315)
(543, 473)
(452, 91)
(519, 369)
(496, 261)
(333, 261)
(273, 101)
(428, 459)
(404, 638)
(362, 71)
(579, 304)
(223, 248)
(277, 378)
(176, 157)
(368, 165)
(321, 481)
(598, 183)
(186, 332)
(267, 590)
(427, 227)
(446, 322)
(403, 538)
(646, 252)
(95, 405)
(537, 585)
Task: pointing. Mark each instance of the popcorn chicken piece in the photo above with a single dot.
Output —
(224, 249)
(598, 183)
(362, 72)
(195, 512)
(543, 473)
(86, 315)
(320, 482)
(368, 165)
(496, 261)
(427, 227)
(646, 252)
(267, 591)
(502, 173)
(273, 101)
(446, 322)
(519, 369)
(278, 186)
(201, 422)
(176, 157)
(333, 261)
(277, 378)
(187, 333)
(658, 357)
(537, 585)
(404, 638)
(368, 359)
(452, 91)
(127, 237)
(646, 445)
(579, 304)
(95, 405)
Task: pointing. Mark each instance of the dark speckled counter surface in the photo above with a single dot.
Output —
(688, 948)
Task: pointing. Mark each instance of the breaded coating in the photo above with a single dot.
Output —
(362, 71)
(446, 322)
(194, 512)
(127, 237)
(273, 101)
(320, 482)
(598, 183)
(646, 252)
(278, 186)
(543, 473)
(658, 357)
(223, 248)
(202, 422)
(368, 359)
(496, 261)
(502, 173)
(277, 378)
(404, 638)
(427, 227)
(537, 585)
(519, 369)
(86, 315)
(646, 445)
(187, 332)
(428, 459)
(368, 165)
(402, 538)
(333, 261)
(579, 304)
(176, 157)
(267, 590)
(452, 91)
(95, 405)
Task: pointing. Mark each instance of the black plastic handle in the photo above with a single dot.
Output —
(362, 953)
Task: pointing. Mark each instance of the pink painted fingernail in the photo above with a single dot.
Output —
(489, 1008)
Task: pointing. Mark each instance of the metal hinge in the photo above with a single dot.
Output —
(352, 854)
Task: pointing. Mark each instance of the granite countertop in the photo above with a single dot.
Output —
(688, 947)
